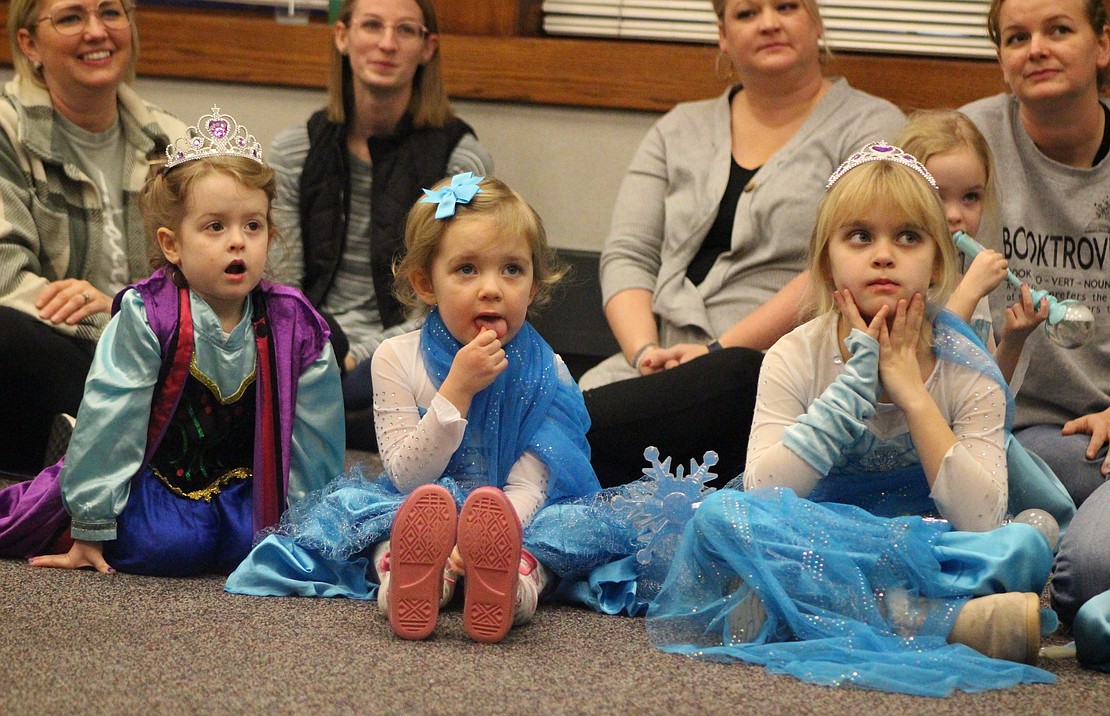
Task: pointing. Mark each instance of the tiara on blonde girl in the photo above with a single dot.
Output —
(215, 135)
(881, 152)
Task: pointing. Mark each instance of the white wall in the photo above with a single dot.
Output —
(567, 162)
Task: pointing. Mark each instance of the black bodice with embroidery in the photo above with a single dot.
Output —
(209, 441)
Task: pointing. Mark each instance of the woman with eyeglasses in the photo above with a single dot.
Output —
(347, 178)
(73, 158)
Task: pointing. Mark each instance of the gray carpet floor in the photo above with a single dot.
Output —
(85, 643)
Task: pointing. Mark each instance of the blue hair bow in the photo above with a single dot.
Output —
(462, 189)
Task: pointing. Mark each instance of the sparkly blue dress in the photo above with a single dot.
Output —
(323, 545)
(841, 589)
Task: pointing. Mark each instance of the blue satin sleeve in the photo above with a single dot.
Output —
(109, 439)
(1091, 630)
(319, 437)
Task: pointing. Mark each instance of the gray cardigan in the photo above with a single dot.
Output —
(670, 196)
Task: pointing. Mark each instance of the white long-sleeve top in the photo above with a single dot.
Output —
(971, 488)
(415, 449)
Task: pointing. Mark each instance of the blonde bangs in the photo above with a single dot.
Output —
(880, 183)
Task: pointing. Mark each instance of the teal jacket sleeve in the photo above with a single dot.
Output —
(109, 440)
(319, 438)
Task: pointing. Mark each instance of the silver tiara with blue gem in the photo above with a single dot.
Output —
(881, 152)
(215, 135)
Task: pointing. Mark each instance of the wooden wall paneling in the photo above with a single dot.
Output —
(245, 47)
(618, 74)
(499, 18)
(920, 82)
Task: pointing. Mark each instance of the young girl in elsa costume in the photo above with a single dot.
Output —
(474, 410)
(880, 407)
(212, 402)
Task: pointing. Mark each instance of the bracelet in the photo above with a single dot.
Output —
(714, 346)
(635, 362)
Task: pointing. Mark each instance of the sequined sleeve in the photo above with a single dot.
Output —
(526, 487)
(415, 444)
(971, 486)
(100, 462)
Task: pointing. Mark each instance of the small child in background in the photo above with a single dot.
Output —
(474, 409)
(213, 400)
(957, 155)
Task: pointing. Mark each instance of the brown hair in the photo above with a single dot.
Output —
(510, 213)
(24, 15)
(428, 105)
(1096, 15)
(880, 183)
(165, 196)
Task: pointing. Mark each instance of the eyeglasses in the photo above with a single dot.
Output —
(405, 32)
(73, 19)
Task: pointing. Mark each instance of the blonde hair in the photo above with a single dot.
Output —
(1096, 15)
(24, 15)
(165, 196)
(496, 202)
(428, 105)
(880, 183)
(930, 132)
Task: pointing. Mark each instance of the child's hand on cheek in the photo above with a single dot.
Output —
(899, 369)
(476, 365)
(847, 305)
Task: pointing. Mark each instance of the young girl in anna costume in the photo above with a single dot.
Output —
(213, 400)
(473, 410)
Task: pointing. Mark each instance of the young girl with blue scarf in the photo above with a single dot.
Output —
(474, 409)
(879, 408)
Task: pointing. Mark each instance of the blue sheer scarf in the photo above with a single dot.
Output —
(533, 405)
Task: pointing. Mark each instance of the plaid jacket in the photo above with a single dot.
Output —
(50, 211)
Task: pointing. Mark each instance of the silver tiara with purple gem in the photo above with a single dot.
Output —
(881, 152)
(215, 135)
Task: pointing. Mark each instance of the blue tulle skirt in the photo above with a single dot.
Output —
(847, 597)
(324, 544)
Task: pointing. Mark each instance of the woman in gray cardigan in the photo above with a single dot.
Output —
(711, 222)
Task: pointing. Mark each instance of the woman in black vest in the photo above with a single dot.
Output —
(348, 177)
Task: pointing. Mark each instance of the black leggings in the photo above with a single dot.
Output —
(702, 405)
(43, 373)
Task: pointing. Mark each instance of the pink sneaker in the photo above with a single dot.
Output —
(489, 540)
(422, 537)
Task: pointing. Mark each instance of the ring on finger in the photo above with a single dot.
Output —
(85, 295)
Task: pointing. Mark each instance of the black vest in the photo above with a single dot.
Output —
(402, 165)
